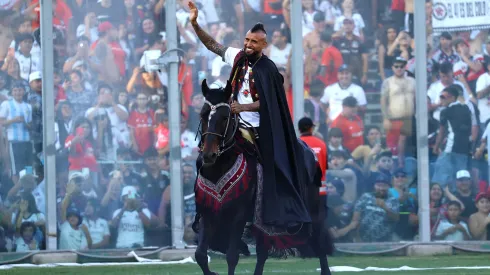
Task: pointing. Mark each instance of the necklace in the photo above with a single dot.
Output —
(251, 67)
(246, 93)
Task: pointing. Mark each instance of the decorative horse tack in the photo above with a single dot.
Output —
(225, 144)
(230, 186)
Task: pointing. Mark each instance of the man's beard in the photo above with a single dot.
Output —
(254, 54)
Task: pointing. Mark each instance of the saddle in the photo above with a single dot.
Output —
(247, 135)
(250, 135)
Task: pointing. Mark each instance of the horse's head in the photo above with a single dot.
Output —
(218, 123)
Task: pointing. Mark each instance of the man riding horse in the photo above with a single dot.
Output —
(259, 98)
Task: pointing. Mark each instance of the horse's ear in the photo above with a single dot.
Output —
(204, 88)
(228, 88)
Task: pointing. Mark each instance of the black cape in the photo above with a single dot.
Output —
(285, 176)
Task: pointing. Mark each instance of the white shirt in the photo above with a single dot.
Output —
(94, 32)
(98, 229)
(217, 84)
(280, 57)
(483, 103)
(10, 109)
(216, 66)
(131, 230)
(28, 64)
(209, 9)
(183, 19)
(256, 5)
(456, 236)
(305, 30)
(331, 11)
(71, 238)
(7, 4)
(32, 218)
(39, 196)
(358, 23)
(435, 91)
(333, 95)
(486, 135)
(251, 117)
(120, 130)
(308, 20)
(190, 143)
(68, 126)
(36, 49)
(22, 246)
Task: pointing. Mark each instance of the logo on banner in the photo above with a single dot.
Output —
(460, 15)
(439, 11)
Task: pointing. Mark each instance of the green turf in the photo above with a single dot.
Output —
(289, 266)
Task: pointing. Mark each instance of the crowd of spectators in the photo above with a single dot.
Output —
(112, 122)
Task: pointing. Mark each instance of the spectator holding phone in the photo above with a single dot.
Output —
(117, 115)
(131, 220)
(81, 147)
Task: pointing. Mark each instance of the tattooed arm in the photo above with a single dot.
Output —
(208, 41)
(205, 38)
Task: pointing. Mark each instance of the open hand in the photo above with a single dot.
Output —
(194, 12)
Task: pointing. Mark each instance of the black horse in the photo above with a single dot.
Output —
(228, 193)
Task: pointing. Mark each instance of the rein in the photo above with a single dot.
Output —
(226, 143)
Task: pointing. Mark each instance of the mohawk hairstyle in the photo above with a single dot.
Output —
(259, 27)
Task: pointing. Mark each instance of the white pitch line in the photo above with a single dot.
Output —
(148, 262)
(403, 268)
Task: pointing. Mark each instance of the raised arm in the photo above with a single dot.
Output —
(205, 38)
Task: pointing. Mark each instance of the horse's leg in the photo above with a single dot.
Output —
(232, 254)
(262, 255)
(324, 266)
(316, 243)
(201, 254)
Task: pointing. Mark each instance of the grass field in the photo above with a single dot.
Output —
(289, 266)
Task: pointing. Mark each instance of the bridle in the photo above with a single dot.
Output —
(226, 142)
